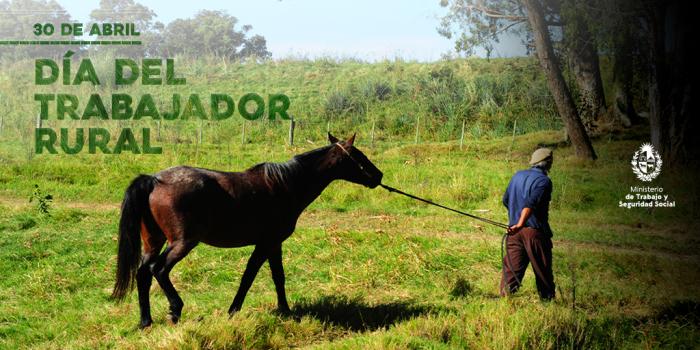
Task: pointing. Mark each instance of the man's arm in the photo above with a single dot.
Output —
(524, 215)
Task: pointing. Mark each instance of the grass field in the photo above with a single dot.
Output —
(365, 268)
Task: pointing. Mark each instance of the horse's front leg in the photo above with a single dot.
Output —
(254, 262)
(275, 260)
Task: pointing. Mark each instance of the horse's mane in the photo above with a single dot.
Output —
(276, 174)
(283, 174)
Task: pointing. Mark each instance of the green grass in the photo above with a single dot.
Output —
(365, 268)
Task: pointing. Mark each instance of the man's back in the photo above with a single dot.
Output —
(530, 188)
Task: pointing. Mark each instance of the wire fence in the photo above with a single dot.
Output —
(296, 132)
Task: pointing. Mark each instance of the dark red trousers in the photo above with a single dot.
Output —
(528, 246)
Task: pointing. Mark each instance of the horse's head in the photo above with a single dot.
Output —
(351, 164)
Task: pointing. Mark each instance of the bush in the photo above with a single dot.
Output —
(43, 201)
(342, 103)
(443, 93)
(402, 124)
(379, 90)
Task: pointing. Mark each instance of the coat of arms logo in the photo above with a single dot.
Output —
(646, 163)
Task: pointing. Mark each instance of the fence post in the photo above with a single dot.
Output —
(372, 134)
(228, 147)
(417, 125)
(199, 133)
(38, 120)
(573, 286)
(512, 139)
(461, 138)
(243, 133)
(292, 123)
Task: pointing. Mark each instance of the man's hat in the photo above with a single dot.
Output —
(540, 155)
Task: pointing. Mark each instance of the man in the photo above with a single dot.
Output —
(529, 235)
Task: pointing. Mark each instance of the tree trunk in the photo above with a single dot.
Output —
(623, 105)
(586, 68)
(670, 117)
(555, 80)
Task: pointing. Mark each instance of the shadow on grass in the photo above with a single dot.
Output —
(680, 311)
(554, 145)
(356, 315)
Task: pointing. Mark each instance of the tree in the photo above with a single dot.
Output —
(650, 42)
(624, 61)
(582, 53)
(212, 33)
(672, 120)
(129, 11)
(480, 23)
(208, 33)
(485, 21)
(17, 18)
(555, 80)
(256, 47)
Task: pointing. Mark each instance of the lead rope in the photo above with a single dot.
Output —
(488, 221)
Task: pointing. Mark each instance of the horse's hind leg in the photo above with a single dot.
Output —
(175, 251)
(256, 260)
(152, 245)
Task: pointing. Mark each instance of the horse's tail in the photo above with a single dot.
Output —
(134, 209)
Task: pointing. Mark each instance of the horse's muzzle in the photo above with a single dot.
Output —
(376, 181)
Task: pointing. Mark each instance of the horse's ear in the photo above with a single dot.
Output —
(332, 138)
(351, 140)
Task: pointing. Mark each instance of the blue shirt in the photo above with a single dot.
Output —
(532, 189)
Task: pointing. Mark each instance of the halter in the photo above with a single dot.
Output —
(353, 159)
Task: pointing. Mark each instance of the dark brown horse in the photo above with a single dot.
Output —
(260, 206)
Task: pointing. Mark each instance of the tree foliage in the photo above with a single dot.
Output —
(477, 23)
(17, 18)
(128, 11)
(208, 33)
(212, 33)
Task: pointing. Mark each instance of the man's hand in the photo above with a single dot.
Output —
(524, 215)
(514, 229)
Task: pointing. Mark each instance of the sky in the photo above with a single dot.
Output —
(367, 29)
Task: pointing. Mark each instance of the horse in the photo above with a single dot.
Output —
(259, 206)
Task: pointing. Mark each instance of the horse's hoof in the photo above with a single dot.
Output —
(173, 319)
(232, 311)
(145, 324)
(283, 311)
